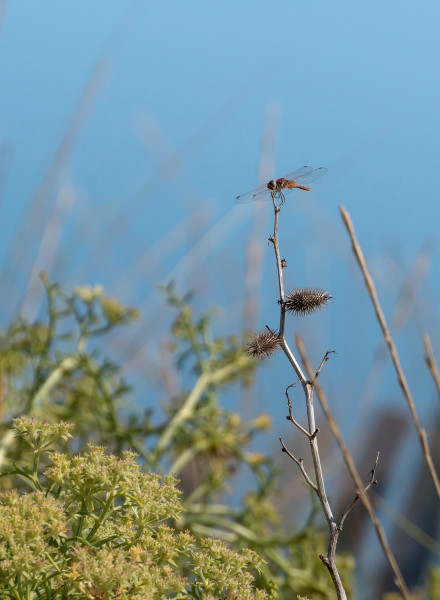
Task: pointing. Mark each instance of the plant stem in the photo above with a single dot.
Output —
(307, 386)
(430, 361)
(369, 284)
(69, 363)
(187, 409)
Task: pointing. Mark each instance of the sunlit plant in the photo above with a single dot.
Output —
(96, 527)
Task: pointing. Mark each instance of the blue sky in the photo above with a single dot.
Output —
(356, 87)
(173, 130)
(348, 86)
(172, 101)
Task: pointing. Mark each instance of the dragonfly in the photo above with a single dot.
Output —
(276, 187)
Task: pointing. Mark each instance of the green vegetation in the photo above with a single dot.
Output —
(94, 528)
(90, 514)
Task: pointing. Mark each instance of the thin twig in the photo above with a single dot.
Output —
(334, 540)
(300, 463)
(335, 536)
(430, 361)
(372, 481)
(292, 418)
(421, 433)
(398, 578)
(274, 241)
(323, 361)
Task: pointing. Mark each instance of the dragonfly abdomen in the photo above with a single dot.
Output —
(282, 184)
(298, 187)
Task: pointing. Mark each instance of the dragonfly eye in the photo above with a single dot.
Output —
(272, 185)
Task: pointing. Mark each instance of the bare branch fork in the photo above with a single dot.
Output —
(335, 531)
(312, 431)
(335, 534)
(398, 579)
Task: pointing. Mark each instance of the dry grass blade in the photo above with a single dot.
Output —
(421, 433)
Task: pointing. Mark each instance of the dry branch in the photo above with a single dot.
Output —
(421, 433)
(360, 489)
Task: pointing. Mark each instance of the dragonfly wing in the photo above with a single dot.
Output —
(299, 172)
(260, 193)
(307, 174)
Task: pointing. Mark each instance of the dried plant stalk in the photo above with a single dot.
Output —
(430, 361)
(421, 433)
(307, 387)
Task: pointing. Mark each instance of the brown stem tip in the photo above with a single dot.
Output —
(305, 301)
(264, 344)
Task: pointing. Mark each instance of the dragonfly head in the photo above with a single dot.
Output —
(272, 185)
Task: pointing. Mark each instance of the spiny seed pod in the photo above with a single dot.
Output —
(264, 344)
(305, 301)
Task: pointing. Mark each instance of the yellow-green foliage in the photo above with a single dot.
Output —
(95, 529)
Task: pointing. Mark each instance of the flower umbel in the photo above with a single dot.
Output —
(305, 301)
(264, 344)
